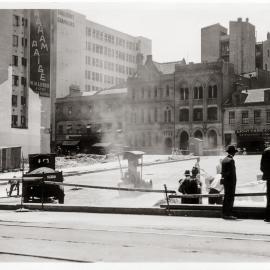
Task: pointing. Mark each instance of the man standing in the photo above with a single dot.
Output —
(228, 173)
(265, 168)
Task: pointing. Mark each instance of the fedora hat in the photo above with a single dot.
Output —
(187, 172)
(231, 149)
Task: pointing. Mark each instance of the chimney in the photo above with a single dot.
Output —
(268, 35)
(149, 57)
(247, 19)
(239, 19)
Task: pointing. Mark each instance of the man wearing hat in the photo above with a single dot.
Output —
(228, 173)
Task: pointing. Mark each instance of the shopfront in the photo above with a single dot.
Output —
(253, 140)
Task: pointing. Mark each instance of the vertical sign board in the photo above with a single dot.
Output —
(40, 51)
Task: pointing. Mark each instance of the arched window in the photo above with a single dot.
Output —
(167, 90)
(212, 90)
(168, 115)
(155, 91)
(198, 92)
(133, 93)
(198, 134)
(155, 114)
(212, 139)
(184, 92)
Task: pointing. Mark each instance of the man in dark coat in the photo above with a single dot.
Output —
(189, 186)
(265, 168)
(228, 179)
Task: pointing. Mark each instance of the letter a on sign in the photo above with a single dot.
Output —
(34, 43)
(36, 52)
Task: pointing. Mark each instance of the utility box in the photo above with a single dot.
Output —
(10, 158)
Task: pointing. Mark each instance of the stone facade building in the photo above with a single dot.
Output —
(85, 118)
(247, 119)
(169, 104)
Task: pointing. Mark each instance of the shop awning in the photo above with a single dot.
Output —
(70, 143)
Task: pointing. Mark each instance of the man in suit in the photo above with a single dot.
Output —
(265, 168)
(228, 179)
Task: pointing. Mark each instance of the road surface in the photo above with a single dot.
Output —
(83, 237)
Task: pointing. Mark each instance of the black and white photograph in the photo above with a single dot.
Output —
(134, 132)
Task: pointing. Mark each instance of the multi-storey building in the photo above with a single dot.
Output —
(111, 56)
(247, 119)
(237, 47)
(93, 56)
(84, 118)
(50, 51)
(166, 107)
(22, 121)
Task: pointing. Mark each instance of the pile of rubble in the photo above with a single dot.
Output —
(82, 160)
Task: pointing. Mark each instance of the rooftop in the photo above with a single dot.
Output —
(254, 95)
(169, 67)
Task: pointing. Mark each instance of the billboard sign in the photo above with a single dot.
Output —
(40, 51)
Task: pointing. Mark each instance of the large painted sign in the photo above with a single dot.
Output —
(40, 51)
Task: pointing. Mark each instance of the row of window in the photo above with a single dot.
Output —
(14, 121)
(15, 41)
(15, 100)
(17, 21)
(15, 61)
(184, 92)
(103, 50)
(15, 80)
(99, 77)
(82, 129)
(257, 119)
(92, 88)
(146, 116)
(111, 39)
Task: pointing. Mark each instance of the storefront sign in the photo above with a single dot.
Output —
(252, 132)
(40, 51)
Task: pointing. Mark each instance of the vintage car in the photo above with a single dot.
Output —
(42, 168)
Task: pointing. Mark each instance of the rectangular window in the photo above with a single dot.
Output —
(155, 115)
(15, 41)
(16, 20)
(24, 62)
(245, 117)
(23, 81)
(14, 100)
(15, 60)
(24, 22)
(15, 80)
(231, 117)
(257, 117)
(268, 117)
(23, 122)
(23, 100)
(198, 114)
(14, 121)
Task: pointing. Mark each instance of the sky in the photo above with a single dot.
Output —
(173, 26)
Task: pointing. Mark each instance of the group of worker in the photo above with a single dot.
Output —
(225, 179)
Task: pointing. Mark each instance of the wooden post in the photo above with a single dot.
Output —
(167, 199)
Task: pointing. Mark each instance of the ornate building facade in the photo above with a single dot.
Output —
(169, 104)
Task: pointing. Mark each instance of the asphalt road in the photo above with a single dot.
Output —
(78, 237)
